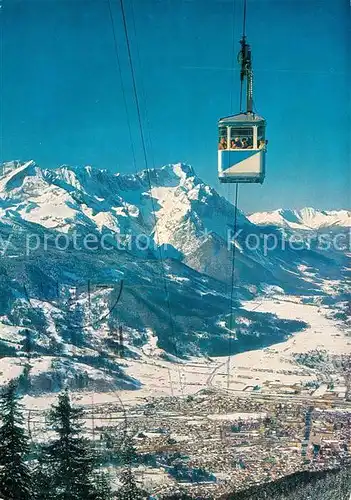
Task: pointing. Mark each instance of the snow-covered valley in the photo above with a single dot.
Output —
(272, 370)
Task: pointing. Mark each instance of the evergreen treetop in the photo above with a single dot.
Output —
(15, 477)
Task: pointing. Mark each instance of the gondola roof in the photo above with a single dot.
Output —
(242, 118)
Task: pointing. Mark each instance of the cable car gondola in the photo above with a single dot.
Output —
(242, 137)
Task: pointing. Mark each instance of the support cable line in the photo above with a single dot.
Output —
(146, 162)
(232, 316)
(244, 57)
(142, 87)
(118, 63)
(244, 19)
(135, 92)
(232, 69)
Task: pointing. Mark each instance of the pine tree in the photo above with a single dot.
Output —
(71, 326)
(15, 478)
(28, 344)
(129, 489)
(67, 461)
(127, 452)
(43, 478)
(102, 487)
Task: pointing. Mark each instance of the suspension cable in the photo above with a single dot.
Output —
(243, 37)
(244, 19)
(233, 59)
(232, 317)
(135, 91)
(143, 141)
(122, 84)
(142, 88)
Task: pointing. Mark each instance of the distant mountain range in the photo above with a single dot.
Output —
(307, 218)
(81, 257)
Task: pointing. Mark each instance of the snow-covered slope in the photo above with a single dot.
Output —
(306, 218)
(81, 252)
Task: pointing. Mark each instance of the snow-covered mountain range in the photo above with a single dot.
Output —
(81, 259)
(307, 218)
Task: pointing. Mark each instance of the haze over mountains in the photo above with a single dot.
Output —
(69, 237)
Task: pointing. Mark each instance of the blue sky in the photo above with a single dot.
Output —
(62, 101)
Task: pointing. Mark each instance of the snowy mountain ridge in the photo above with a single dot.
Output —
(307, 218)
(105, 191)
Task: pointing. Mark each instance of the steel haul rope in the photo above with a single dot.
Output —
(145, 156)
(118, 63)
(232, 318)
